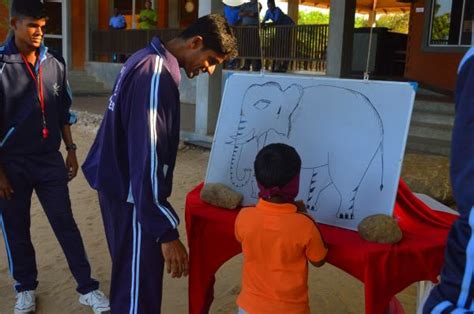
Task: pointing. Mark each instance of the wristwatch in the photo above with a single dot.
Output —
(71, 146)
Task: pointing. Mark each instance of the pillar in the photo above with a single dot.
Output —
(293, 12)
(173, 14)
(162, 10)
(208, 88)
(341, 37)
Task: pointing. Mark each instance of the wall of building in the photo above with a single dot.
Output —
(3, 22)
(78, 36)
(432, 69)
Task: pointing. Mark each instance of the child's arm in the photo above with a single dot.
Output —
(316, 249)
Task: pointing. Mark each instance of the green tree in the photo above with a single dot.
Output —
(361, 22)
(315, 17)
(397, 22)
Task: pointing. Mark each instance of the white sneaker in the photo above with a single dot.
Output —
(97, 301)
(25, 302)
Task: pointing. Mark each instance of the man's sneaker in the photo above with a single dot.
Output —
(97, 301)
(25, 302)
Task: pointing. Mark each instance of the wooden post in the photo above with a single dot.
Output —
(293, 6)
(162, 11)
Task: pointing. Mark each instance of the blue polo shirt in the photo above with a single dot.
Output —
(117, 22)
(278, 17)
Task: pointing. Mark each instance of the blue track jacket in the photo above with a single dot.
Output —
(134, 153)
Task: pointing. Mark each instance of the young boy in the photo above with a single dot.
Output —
(277, 240)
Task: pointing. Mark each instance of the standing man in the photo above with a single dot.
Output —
(283, 37)
(147, 17)
(34, 116)
(117, 21)
(132, 160)
(249, 14)
(455, 292)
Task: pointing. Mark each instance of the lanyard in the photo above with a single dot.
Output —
(39, 85)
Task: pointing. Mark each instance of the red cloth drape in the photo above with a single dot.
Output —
(385, 269)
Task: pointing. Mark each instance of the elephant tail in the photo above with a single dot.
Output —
(381, 152)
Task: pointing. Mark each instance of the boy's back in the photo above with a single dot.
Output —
(277, 243)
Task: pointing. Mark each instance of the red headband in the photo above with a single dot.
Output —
(287, 192)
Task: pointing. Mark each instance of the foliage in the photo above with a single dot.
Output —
(440, 27)
(361, 22)
(397, 23)
(315, 17)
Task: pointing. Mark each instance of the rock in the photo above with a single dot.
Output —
(380, 229)
(219, 195)
(429, 174)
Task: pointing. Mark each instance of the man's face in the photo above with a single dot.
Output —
(29, 30)
(148, 5)
(271, 5)
(198, 59)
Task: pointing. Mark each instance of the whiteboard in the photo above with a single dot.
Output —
(350, 135)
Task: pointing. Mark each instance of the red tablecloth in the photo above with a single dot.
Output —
(385, 269)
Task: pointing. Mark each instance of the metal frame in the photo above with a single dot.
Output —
(65, 29)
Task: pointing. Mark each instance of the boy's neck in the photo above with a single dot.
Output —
(277, 200)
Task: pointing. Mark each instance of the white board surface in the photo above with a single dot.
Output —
(350, 135)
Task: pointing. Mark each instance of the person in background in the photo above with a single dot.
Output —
(283, 36)
(231, 14)
(249, 14)
(117, 21)
(147, 17)
(278, 239)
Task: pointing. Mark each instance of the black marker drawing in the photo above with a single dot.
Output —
(361, 131)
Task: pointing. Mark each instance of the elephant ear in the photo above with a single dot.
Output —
(293, 96)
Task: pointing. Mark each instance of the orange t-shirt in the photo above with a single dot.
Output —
(277, 243)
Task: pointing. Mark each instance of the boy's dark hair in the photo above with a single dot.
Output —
(276, 164)
(216, 33)
(28, 8)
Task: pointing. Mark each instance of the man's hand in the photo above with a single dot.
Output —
(71, 164)
(6, 189)
(176, 258)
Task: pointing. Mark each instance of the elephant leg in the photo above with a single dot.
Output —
(318, 182)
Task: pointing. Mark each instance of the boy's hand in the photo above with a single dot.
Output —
(176, 258)
(300, 206)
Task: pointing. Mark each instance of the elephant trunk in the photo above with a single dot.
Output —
(238, 178)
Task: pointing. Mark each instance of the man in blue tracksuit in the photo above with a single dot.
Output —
(455, 293)
(132, 160)
(34, 116)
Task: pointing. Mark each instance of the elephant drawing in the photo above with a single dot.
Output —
(311, 119)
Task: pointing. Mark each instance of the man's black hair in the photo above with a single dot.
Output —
(28, 8)
(276, 165)
(271, 1)
(216, 33)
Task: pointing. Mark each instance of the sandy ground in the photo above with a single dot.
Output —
(331, 290)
